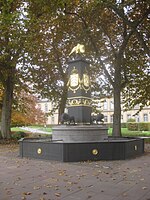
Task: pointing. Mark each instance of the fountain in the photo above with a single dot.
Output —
(81, 140)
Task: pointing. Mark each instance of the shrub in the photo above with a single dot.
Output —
(144, 126)
(110, 125)
(123, 125)
(16, 124)
(18, 135)
(131, 120)
(132, 126)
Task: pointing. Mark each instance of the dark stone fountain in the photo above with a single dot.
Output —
(83, 140)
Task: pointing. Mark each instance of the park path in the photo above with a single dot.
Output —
(31, 179)
(34, 130)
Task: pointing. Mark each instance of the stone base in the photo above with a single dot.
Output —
(110, 149)
(79, 133)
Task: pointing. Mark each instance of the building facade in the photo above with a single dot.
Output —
(47, 107)
(105, 106)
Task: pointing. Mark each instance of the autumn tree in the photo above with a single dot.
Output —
(25, 111)
(49, 52)
(17, 26)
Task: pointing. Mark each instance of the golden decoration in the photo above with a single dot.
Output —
(95, 152)
(74, 82)
(78, 49)
(79, 101)
(135, 147)
(39, 150)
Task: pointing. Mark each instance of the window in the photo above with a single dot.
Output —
(105, 119)
(145, 116)
(46, 107)
(128, 116)
(99, 105)
(137, 118)
(111, 118)
(105, 105)
(111, 105)
(52, 119)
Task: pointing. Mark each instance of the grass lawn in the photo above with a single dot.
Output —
(126, 132)
(47, 129)
(16, 129)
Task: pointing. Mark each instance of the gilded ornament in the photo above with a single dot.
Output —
(135, 148)
(78, 49)
(39, 150)
(95, 152)
(75, 82)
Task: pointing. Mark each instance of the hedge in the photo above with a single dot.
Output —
(123, 125)
(142, 126)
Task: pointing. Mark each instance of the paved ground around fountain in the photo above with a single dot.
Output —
(45, 180)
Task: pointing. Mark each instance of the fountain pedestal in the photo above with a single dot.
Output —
(83, 141)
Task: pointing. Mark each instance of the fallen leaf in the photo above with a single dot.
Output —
(36, 187)
(27, 193)
(18, 178)
(57, 194)
(23, 198)
(142, 179)
(124, 194)
(144, 188)
(105, 167)
(89, 185)
(8, 192)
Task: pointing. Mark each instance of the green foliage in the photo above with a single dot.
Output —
(131, 120)
(126, 132)
(132, 126)
(138, 126)
(18, 135)
(144, 126)
(123, 125)
(18, 124)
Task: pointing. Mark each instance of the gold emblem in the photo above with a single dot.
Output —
(39, 150)
(135, 148)
(86, 80)
(95, 152)
(74, 80)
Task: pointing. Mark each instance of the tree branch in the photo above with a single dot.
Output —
(133, 25)
(85, 27)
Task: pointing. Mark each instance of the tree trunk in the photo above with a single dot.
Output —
(117, 100)
(63, 100)
(7, 107)
(117, 114)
